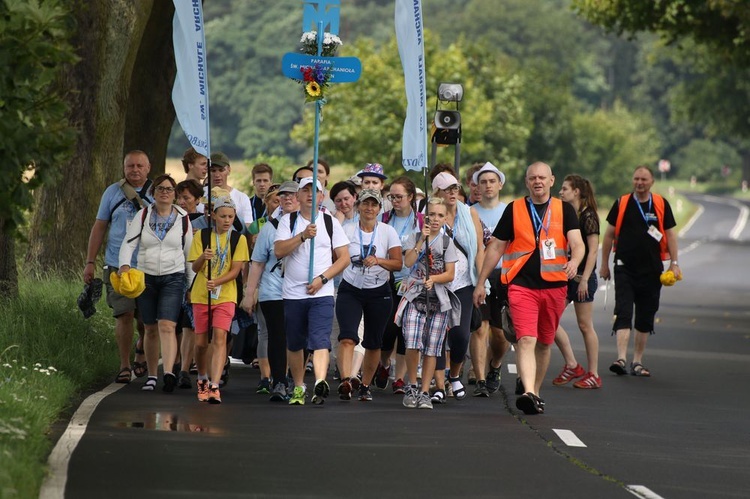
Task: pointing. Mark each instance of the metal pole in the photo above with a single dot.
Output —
(316, 138)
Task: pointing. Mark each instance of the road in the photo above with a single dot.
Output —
(680, 434)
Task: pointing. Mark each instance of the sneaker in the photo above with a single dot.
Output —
(320, 392)
(567, 375)
(410, 397)
(381, 377)
(264, 386)
(336, 374)
(193, 368)
(298, 396)
(365, 395)
(439, 397)
(202, 385)
(345, 390)
(472, 376)
(279, 393)
(184, 381)
(520, 390)
(424, 402)
(224, 381)
(355, 381)
(399, 387)
(481, 389)
(493, 379)
(170, 381)
(214, 396)
(590, 381)
(309, 366)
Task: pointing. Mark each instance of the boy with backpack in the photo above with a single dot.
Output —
(217, 267)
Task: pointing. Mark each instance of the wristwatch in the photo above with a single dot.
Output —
(323, 279)
(674, 262)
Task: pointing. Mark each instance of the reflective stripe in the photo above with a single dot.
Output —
(552, 267)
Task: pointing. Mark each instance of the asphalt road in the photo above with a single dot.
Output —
(680, 434)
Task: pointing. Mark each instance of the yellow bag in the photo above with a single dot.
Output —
(130, 284)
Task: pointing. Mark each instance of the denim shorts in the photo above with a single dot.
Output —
(573, 290)
(162, 298)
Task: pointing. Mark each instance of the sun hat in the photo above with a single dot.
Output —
(369, 194)
(488, 167)
(443, 180)
(130, 284)
(307, 181)
(372, 170)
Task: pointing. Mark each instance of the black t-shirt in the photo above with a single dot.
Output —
(529, 276)
(588, 221)
(636, 249)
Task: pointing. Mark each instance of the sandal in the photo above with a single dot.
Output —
(618, 367)
(149, 385)
(124, 376)
(530, 404)
(638, 369)
(438, 397)
(140, 369)
(459, 392)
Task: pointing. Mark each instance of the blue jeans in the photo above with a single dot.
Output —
(162, 298)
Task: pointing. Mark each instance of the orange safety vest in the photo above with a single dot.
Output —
(658, 207)
(519, 250)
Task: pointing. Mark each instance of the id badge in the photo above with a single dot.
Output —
(215, 293)
(654, 232)
(548, 249)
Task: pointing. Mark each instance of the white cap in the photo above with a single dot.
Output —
(488, 167)
(307, 181)
(443, 180)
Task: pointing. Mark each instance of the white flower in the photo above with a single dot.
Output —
(37, 365)
(7, 365)
(51, 368)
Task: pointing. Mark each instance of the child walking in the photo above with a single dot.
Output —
(227, 251)
(428, 308)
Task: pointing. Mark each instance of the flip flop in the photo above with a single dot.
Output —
(618, 367)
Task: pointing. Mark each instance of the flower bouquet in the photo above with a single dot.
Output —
(309, 44)
(315, 80)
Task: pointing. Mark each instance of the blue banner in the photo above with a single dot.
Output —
(343, 69)
(410, 36)
(190, 91)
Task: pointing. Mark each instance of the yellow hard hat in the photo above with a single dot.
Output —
(668, 278)
(130, 284)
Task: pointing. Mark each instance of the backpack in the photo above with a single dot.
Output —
(131, 195)
(327, 220)
(387, 215)
(234, 239)
(143, 222)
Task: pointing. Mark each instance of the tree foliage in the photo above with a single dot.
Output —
(35, 136)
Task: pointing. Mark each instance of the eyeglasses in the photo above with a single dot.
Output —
(286, 194)
(164, 189)
(452, 188)
(395, 197)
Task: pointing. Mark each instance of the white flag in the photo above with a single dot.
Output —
(190, 92)
(410, 36)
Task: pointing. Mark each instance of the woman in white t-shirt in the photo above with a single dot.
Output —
(375, 252)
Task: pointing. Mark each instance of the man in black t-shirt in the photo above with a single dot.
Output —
(532, 236)
(641, 225)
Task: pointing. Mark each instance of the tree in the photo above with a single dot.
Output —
(122, 73)
(34, 134)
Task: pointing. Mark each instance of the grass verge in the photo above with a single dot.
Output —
(48, 355)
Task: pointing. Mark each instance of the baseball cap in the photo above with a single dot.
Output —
(307, 181)
(370, 194)
(372, 170)
(488, 167)
(288, 186)
(219, 159)
(443, 180)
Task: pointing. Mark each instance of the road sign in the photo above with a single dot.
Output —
(664, 165)
(343, 69)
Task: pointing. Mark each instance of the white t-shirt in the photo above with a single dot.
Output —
(377, 243)
(241, 202)
(297, 263)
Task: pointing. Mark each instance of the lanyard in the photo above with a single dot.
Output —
(537, 221)
(406, 224)
(221, 254)
(252, 206)
(362, 252)
(640, 208)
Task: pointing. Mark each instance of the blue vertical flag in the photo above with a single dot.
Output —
(190, 92)
(410, 37)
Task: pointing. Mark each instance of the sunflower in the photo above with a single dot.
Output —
(313, 89)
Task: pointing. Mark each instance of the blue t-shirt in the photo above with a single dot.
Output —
(115, 209)
(404, 226)
(270, 284)
(490, 218)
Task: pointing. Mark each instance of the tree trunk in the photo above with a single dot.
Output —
(150, 112)
(108, 39)
(745, 165)
(8, 270)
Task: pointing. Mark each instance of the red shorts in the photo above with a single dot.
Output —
(221, 316)
(537, 312)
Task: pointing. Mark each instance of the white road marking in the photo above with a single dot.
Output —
(569, 438)
(512, 369)
(57, 475)
(642, 491)
(736, 231)
(692, 220)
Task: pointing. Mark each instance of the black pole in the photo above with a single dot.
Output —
(209, 207)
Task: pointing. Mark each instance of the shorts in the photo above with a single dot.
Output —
(494, 301)
(429, 342)
(638, 290)
(573, 290)
(355, 304)
(308, 323)
(536, 312)
(162, 298)
(221, 316)
(119, 304)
